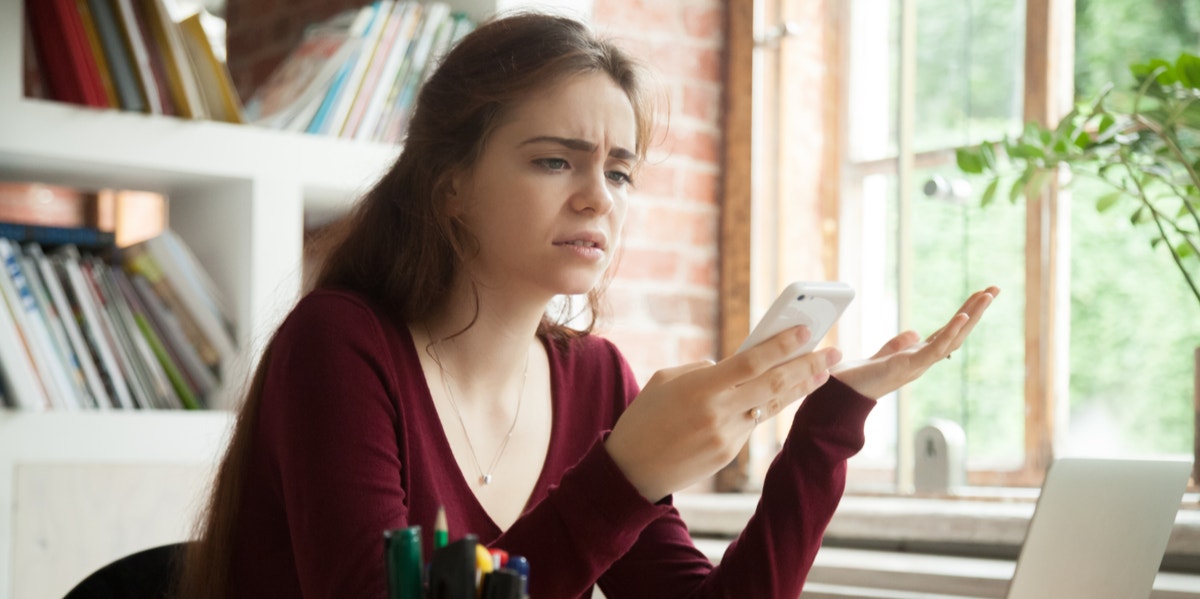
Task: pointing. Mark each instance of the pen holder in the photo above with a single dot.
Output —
(402, 554)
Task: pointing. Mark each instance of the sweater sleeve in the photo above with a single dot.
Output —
(329, 430)
(773, 555)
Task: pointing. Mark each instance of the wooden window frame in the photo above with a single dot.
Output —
(1049, 42)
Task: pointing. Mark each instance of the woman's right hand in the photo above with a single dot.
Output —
(691, 420)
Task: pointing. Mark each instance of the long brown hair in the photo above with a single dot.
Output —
(399, 246)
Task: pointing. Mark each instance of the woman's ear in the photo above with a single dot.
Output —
(454, 199)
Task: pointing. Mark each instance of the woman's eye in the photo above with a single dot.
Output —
(554, 164)
(620, 177)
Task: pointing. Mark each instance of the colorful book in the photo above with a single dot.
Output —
(67, 261)
(216, 84)
(348, 93)
(93, 37)
(60, 344)
(64, 54)
(393, 43)
(69, 319)
(117, 55)
(24, 314)
(138, 260)
(23, 389)
(168, 38)
(304, 76)
(436, 22)
(199, 375)
(358, 29)
(185, 395)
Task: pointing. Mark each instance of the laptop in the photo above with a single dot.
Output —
(1099, 529)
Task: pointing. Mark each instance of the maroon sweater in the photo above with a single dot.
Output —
(348, 444)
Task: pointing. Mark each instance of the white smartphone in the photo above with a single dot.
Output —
(814, 304)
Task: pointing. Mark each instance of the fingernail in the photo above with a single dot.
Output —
(833, 357)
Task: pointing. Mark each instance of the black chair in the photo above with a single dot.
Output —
(147, 574)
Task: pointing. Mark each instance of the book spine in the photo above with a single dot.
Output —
(30, 320)
(22, 385)
(196, 298)
(142, 361)
(184, 392)
(93, 38)
(120, 63)
(193, 366)
(85, 237)
(58, 335)
(44, 205)
(70, 323)
(136, 45)
(67, 258)
(114, 335)
(349, 92)
(184, 86)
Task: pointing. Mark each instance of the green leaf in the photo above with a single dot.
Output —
(988, 153)
(989, 193)
(1187, 68)
(1107, 201)
(1183, 249)
(1138, 215)
(969, 161)
(1083, 140)
(1018, 187)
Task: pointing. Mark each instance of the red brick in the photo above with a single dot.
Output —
(648, 264)
(656, 179)
(695, 349)
(701, 102)
(704, 22)
(700, 186)
(678, 224)
(702, 273)
(685, 141)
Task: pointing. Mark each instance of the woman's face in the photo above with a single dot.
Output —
(547, 197)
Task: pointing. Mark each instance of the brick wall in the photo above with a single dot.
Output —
(663, 300)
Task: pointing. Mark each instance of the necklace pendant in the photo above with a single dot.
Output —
(486, 479)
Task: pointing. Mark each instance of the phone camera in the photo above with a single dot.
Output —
(801, 298)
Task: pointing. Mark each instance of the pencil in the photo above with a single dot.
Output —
(441, 532)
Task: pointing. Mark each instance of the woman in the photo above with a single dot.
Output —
(424, 371)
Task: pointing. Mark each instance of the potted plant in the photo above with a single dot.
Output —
(1142, 143)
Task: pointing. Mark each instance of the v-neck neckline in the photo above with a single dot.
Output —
(460, 482)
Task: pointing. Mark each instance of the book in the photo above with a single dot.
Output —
(63, 351)
(67, 263)
(184, 392)
(47, 205)
(168, 38)
(435, 29)
(118, 57)
(198, 294)
(358, 30)
(137, 260)
(302, 78)
(114, 335)
(64, 54)
(86, 237)
(394, 39)
(216, 84)
(144, 59)
(93, 38)
(142, 364)
(199, 375)
(29, 322)
(348, 92)
(68, 318)
(23, 389)
(59, 341)
(409, 18)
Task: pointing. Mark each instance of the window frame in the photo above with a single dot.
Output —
(1048, 94)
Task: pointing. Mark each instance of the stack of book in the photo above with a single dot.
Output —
(356, 75)
(128, 54)
(88, 325)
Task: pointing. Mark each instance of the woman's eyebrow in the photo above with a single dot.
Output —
(581, 145)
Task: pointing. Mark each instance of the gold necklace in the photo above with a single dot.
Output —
(485, 478)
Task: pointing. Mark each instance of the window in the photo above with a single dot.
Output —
(854, 178)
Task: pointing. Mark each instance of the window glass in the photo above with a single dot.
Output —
(1134, 322)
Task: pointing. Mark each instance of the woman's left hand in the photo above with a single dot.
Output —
(905, 358)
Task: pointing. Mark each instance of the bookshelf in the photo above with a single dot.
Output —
(78, 490)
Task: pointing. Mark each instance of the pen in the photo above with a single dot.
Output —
(452, 571)
(402, 555)
(441, 531)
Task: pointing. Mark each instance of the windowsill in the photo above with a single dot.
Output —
(988, 524)
(900, 547)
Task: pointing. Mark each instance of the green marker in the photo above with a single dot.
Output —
(402, 556)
